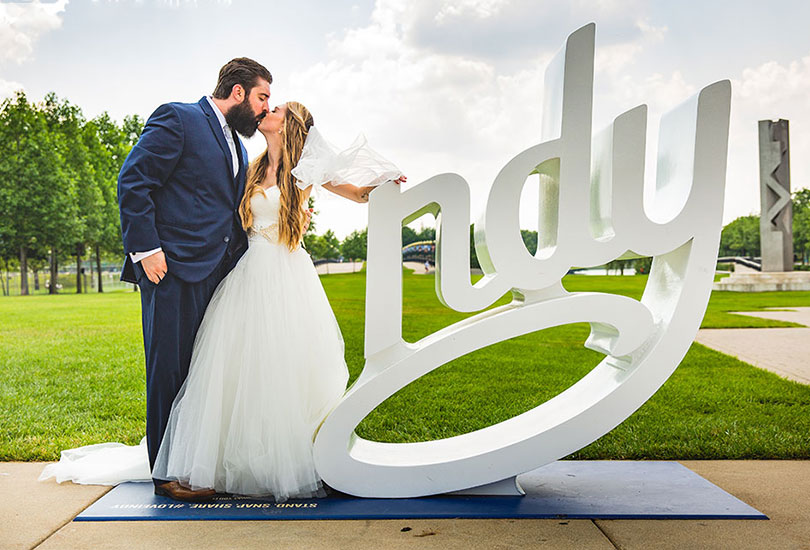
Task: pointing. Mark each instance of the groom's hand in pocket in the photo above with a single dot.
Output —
(155, 267)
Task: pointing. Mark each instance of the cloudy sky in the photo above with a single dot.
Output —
(436, 86)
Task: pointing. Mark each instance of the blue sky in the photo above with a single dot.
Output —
(437, 86)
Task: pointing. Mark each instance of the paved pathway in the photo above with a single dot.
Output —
(418, 267)
(784, 351)
(38, 515)
(339, 267)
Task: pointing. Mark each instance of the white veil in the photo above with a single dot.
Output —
(359, 164)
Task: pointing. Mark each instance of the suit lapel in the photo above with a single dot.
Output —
(213, 122)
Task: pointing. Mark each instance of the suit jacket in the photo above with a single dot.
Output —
(176, 190)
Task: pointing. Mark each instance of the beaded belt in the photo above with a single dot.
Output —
(269, 232)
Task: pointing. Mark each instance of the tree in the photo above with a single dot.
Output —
(529, 240)
(108, 145)
(801, 224)
(473, 254)
(64, 230)
(37, 261)
(67, 123)
(37, 203)
(741, 237)
(331, 247)
(642, 265)
(58, 175)
(408, 236)
(315, 245)
(426, 234)
(616, 265)
(355, 246)
(131, 128)
(8, 252)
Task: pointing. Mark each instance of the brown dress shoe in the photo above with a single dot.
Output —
(173, 489)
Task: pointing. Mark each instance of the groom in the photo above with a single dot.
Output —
(179, 192)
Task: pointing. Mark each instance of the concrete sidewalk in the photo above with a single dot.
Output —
(38, 515)
(784, 351)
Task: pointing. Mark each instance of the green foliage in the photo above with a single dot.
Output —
(426, 234)
(529, 240)
(38, 191)
(331, 249)
(315, 245)
(58, 174)
(740, 237)
(354, 247)
(408, 236)
(642, 265)
(473, 254)
(801, 224)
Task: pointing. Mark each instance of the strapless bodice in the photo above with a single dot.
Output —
(265, 206)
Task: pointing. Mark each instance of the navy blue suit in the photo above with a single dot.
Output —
(177, 191)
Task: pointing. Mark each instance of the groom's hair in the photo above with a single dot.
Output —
(242, 71)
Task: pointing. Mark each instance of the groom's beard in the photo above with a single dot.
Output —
(240, 117)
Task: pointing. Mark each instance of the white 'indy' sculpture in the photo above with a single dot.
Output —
(591, 212)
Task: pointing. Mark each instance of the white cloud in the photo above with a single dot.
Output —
(480, 9)
(177, 4)
(21, 24)
(7, 88)
(436, 107)
(768, 91)
(772, 84)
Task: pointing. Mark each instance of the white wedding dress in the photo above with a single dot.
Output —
(267, 366)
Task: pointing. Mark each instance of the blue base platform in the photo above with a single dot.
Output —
(564, 489)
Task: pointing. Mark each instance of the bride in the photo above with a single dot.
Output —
(267, 365)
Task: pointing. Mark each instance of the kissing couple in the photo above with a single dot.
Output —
(244, 357)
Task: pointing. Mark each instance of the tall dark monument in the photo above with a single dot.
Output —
(776, 218)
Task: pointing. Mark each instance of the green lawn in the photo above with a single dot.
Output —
(71, 373)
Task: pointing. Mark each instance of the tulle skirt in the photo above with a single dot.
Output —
(101, 464)
(267, 367)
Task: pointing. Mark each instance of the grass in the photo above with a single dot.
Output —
(71, 373)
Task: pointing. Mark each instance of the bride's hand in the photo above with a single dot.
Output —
(366, 191)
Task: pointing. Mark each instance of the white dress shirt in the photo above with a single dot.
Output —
(138, 256)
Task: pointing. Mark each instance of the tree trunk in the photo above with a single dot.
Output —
(78, 271)
(52, 289)
(98, 268)
(3, 281)
(36, 280)
(23, 271)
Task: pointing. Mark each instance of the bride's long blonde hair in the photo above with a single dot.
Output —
(292, 216)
